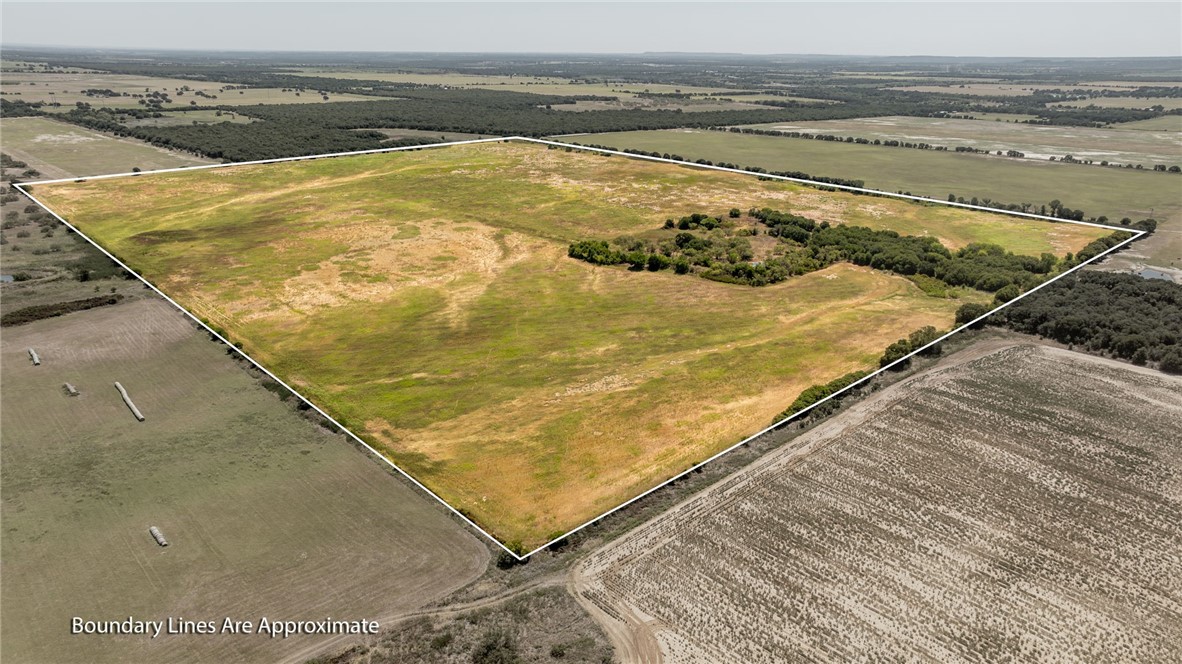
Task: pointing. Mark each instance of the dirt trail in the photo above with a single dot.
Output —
(634, 636)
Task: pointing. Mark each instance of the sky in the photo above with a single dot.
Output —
(1020, 29)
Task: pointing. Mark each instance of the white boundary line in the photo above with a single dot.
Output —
(1137, 234)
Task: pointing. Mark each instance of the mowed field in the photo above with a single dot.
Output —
(425, 298)
(1117, 145)
(67, 89)
(266, 514)
(1111, 192)
(59, 150)
(1019, 503)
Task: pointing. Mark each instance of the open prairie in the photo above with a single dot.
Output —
(58, 150)
(1015, 503)
(1116, 145)
(425, 298)
(265, 513)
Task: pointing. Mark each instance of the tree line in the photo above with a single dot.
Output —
(1118, 315)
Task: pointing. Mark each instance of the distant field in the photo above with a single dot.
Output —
(66, 89)
(1161, 123)
(58, 150)
(175, 118)
(266, 514)
(1168, 103)
(1001, 117)
(633, 102)
(979, 89)
(628, 93)
(1020, 506)
(1112, 192)
(426, 298)
(533, 84)
(1119, 146)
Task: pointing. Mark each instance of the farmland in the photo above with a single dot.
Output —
(60, 150)
(532, 84)
(1118, 145)
(265, 513)
(1015, 503)
(68, 89)
(628, 95)
(425, 298)
(1112, 192)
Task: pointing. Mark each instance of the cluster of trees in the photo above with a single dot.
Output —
(722, 253)
(42, 311)
(818, 392)
(985, 267)
(19, 108)
(1121, 315)
(904, 347)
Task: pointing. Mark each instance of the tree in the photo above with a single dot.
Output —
(970, 312)
(895, 352)
(1006, 294)
(1171, 362)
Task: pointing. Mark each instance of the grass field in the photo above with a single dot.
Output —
(1161, 123)
(1112, 192)
(265, 513)
(182, 117)
(1014, 505)
(425, 298)
(58, 150)
(1169, 103)
(66, 89)
(1121, 146)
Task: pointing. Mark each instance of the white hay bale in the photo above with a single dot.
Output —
(127, 400)
(70, 389)
(158, 536)
(33, 356)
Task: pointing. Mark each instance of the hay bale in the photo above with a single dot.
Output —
(70, 389)
(33, 356)
(158, 536)
(127, 400)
